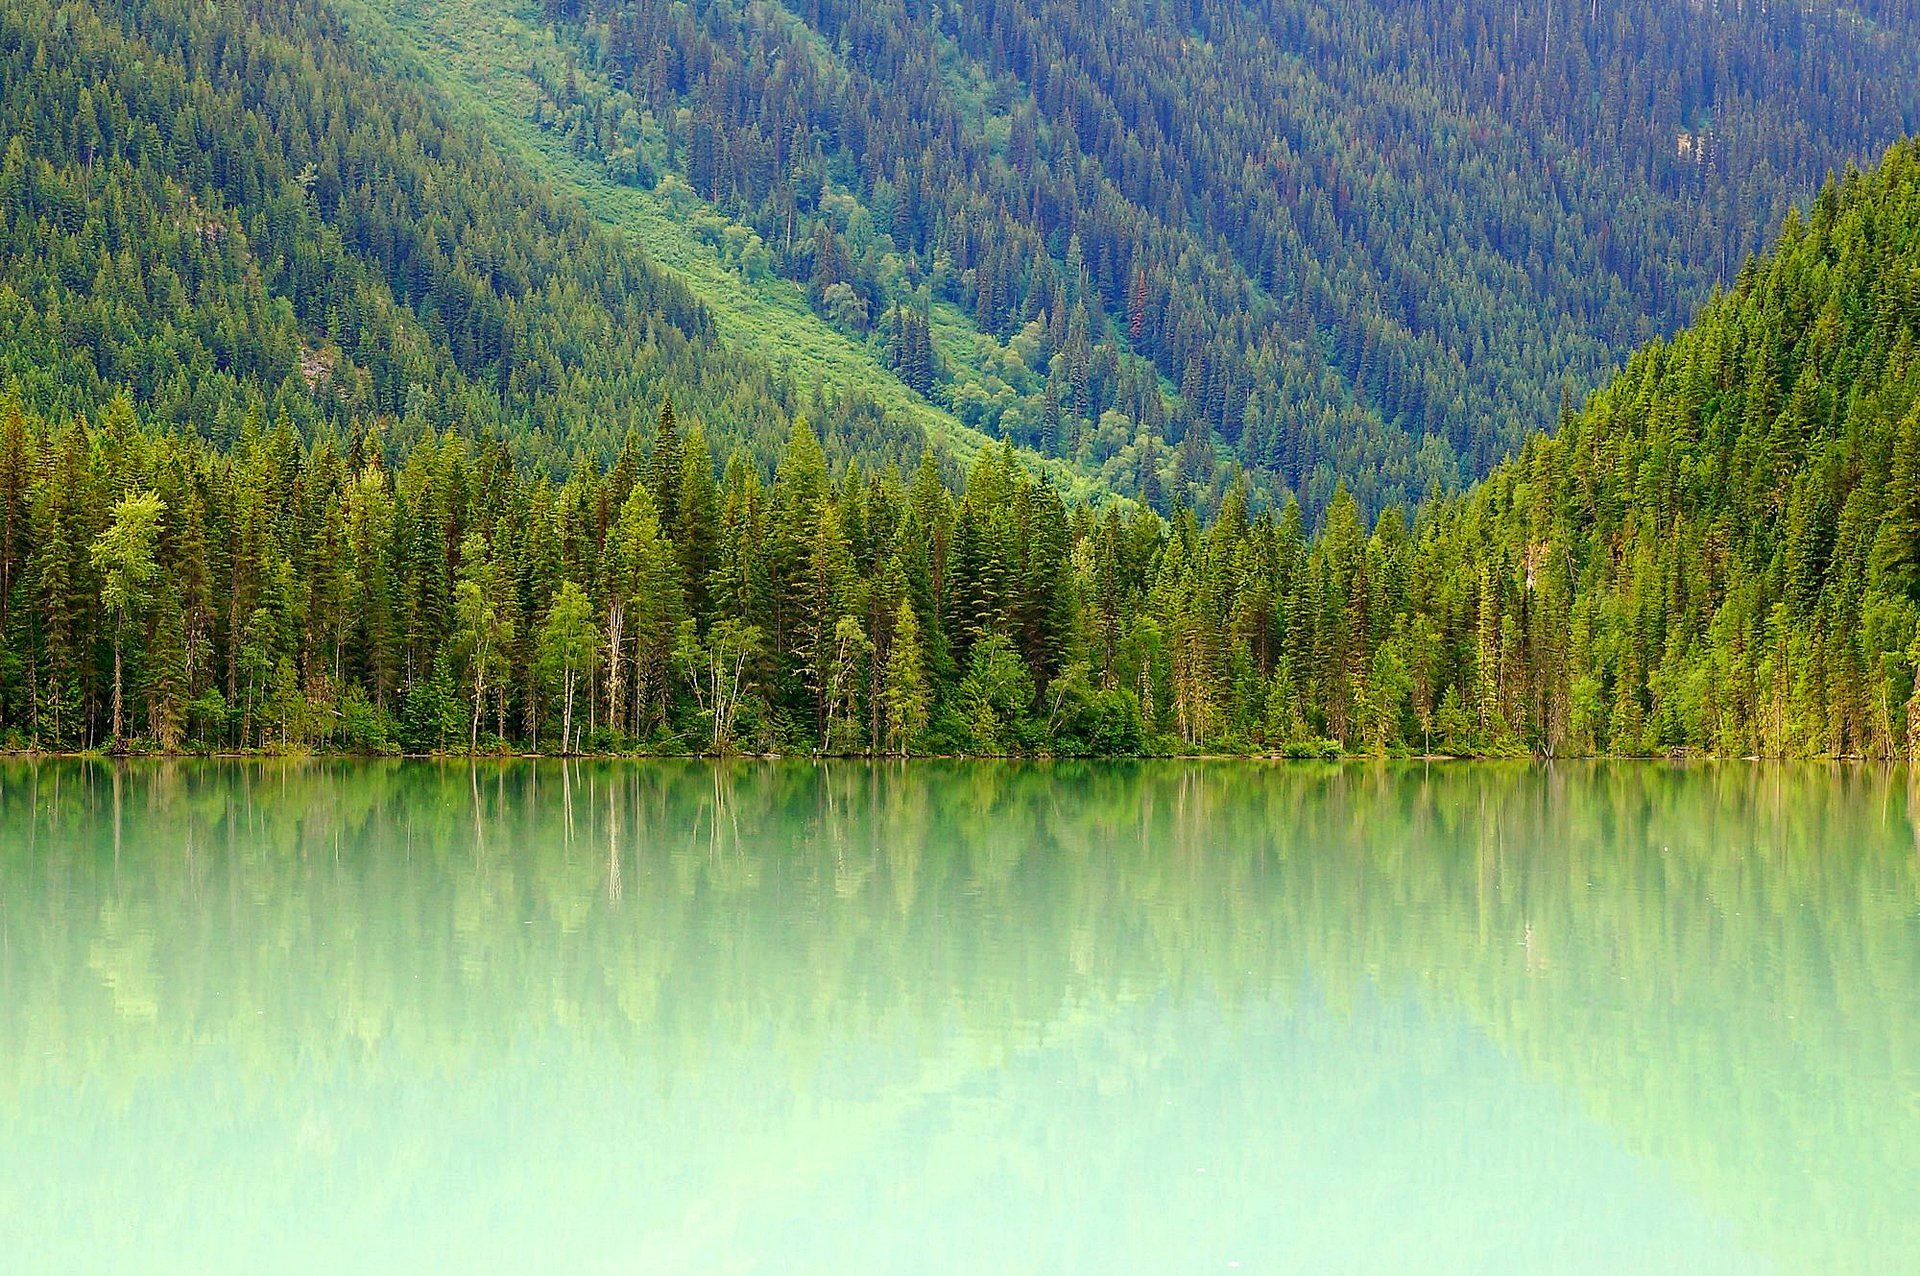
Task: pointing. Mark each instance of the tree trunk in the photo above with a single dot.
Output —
(479, 704)
(118, 745)
(640, 687)
(616, 676)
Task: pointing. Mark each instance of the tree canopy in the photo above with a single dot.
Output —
(1718, 553)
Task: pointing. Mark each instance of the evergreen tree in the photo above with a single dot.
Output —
(907, 695)
(664, 466)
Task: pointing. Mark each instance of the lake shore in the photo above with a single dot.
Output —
(311, 755)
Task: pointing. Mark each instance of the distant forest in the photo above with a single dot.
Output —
(1371, 244)
(235, 211)
(1274, 244)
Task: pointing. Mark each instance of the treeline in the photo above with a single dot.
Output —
(1364, 242)
(1720, 553)
(280, 595)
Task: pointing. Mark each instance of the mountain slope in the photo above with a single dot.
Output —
(477, 55)
(1368, 242)
(1722, 550)
(1010, 222)
(236, 211)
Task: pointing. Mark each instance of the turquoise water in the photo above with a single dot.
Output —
(320, 1017)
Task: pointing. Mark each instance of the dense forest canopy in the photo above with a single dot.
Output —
(1363, 242)
(1719, 553)
(237, 212)
(1174, 246)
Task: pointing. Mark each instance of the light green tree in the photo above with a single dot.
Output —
(829, 594)
(1387, 689)
(484, 629)
(851, 649)
(908, 697)
(996, 694)
(645, 606)
(567, 650)
(124, 557)
(716, 670)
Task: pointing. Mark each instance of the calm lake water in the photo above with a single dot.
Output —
(363, 1017)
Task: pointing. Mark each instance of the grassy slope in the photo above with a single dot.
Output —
(475, 52)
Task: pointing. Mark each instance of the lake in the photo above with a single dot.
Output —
(849, 1018)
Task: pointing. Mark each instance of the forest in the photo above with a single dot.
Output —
(1717, 554)
(1377, 249)
(1302, 244)
(326, 425)
(224, 210)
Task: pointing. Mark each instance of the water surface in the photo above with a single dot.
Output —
(318, 1017)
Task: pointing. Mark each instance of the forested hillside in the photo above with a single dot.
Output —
(1370, 242)
(1719, 553)
(1173, 246)
(239, 212)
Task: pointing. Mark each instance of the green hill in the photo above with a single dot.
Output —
(1722, 550)
(237, 212)
(1369, 242)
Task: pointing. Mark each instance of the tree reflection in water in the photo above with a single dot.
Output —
(1718, 966)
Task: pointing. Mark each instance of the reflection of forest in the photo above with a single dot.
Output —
(1722, 965)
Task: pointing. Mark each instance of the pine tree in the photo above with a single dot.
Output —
(644, 579)
(828, 595)
(664, 466)
(906, 692)
(432, 716)
(164, 684)
(696, 533)
(1896, 546)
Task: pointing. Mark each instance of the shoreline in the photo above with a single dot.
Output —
(256, 755)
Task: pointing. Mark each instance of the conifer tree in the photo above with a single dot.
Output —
(664, 469)
(908, 697)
